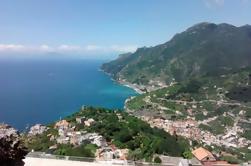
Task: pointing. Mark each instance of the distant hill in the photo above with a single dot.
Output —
(204, 48)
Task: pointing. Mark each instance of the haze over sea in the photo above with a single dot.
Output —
(42, 91)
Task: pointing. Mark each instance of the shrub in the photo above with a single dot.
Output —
(157, 160)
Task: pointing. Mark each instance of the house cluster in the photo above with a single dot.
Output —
(6, 131)
(189, 128)
(201, 157)
(155, 84)
(37, 129)
(179, 161)
(68, 134)
(231, 138)
(111, 152)
(206, 158)
(85, 121)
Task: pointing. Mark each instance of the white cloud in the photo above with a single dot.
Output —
(45, 48)
(93, 47)
(11, 47)
(66, 49)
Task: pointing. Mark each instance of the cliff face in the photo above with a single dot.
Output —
(12, 150)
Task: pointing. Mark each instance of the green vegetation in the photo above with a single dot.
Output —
(137, 102)
(87, 150)
(206, 91)
(226, 120)
(133, 133)
(247, 134)
(122, 129)
(206, 97)
(231, 159)
(187, 154)
(157, 160)
(205, 48)
(218, 125)
(240, 93)
(40, 142)
(248, 156)
(205, 127)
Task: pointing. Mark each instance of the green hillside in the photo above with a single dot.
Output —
(220, 103)
(204, 48)
(118, 128)
(213, 96)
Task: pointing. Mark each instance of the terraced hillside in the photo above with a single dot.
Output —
(214, 109)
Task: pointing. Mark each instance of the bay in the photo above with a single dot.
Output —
(41, 91)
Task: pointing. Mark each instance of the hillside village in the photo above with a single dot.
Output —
(201, 110)
(68, 132)
(76, 131)
(192, 128)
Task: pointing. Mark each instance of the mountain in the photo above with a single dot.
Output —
(205, 48)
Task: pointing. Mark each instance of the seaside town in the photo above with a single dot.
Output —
(192, 118)
(189, 128)
(68, 135)
(106, 151)
(7, 131)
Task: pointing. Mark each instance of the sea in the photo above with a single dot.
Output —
(42, 91)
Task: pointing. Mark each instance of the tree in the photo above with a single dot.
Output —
(12, 151)
(187, 154)
(157, 160)
(135, 155)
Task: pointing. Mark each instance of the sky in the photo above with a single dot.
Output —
(104, 27)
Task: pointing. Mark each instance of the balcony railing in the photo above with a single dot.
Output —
(43, 155)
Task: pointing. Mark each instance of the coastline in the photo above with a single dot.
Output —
(127, 84)
(132, 86)
(124, 83)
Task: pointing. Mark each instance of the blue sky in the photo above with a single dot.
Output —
(106, 26)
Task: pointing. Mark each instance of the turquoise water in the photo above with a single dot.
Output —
(42, 91)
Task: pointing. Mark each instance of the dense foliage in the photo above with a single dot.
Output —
(240, 93)
(12, 151)
(127, 131)
(40, 142)
(87, 150)
(118, 127)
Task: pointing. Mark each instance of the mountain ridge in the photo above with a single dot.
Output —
(201, 49)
